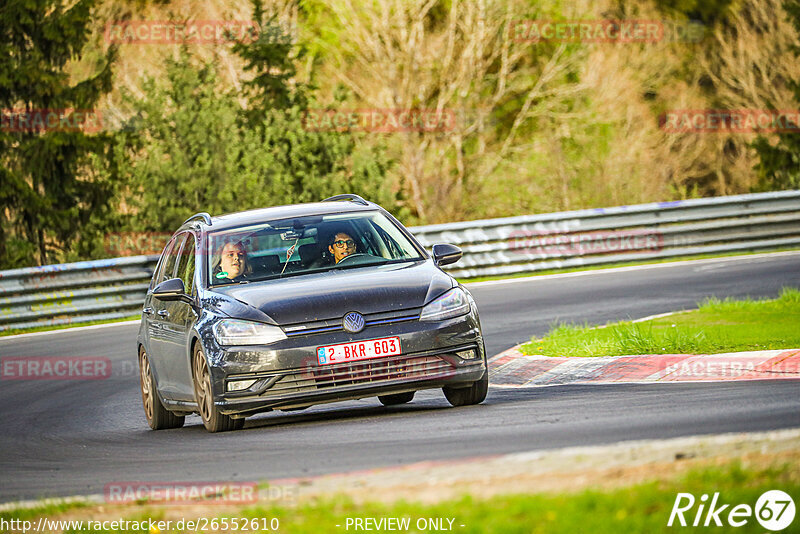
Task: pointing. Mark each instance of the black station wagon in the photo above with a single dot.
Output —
(291, 306)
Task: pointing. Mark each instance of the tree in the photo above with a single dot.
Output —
(459, 59)
(779, 163)
(297, 163)
(47, 194)
(180, 152)
(194, 147)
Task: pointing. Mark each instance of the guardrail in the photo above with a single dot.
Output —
(114, 288)
(585, 238)
(74, 292)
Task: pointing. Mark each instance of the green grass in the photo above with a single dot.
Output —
(638, 508)
(47, 508)
(717, 326)
(47, 328)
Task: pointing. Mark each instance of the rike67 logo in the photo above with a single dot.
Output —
(774, 510)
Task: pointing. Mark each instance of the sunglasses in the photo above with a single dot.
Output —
(341, 243)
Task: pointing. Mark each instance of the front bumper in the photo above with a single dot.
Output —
(288, 374)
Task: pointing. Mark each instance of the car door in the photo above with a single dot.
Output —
(160, 329)
(148, 313)
(177, 323)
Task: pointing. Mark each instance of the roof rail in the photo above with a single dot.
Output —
(202, 215)
(347, 196)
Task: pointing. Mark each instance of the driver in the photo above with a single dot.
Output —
(231, 263)
(341, 245)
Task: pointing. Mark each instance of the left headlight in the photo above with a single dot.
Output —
(238, 332)
(451, 304)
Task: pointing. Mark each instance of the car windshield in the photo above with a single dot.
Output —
(297, 246)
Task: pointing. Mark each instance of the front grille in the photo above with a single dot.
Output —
(361, 373)
(333, 325)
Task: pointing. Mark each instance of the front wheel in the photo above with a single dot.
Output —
(474, 394)
(158, 417)
(213, 419)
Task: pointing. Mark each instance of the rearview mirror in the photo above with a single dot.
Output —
(445, 254)
(171, 290)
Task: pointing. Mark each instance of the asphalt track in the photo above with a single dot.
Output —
(74, 437)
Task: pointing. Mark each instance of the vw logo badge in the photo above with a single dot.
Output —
(353, 322)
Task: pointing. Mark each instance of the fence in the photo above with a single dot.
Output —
(107, 289)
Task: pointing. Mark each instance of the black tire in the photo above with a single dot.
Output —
(474, 394)
(158, 417)
(396, 398)
(213, 419)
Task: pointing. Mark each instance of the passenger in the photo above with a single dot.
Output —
(230, 263)
(341, 245)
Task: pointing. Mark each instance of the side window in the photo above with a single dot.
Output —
(160, 265)
(394, 249)
(186, 264)
(168, 271)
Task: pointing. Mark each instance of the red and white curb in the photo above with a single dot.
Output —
(513, 369)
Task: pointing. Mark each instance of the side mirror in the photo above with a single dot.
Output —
(171, 290)
(445, 254)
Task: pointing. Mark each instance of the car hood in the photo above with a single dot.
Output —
(332, 294)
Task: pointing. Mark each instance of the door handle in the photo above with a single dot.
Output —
(148, 311)
(163, 313)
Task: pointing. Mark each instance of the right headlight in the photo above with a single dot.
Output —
(238, 332)
(451, 304)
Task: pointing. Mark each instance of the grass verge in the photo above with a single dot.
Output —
(717, 326)
(638, 508)
(642, 507)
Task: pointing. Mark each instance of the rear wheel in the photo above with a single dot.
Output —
(396, 398)
(213, 419)
(474, 394)
(158, 417)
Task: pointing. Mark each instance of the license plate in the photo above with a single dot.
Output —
(358, 350)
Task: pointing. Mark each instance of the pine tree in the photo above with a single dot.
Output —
(195, 148)
(299, 164)
(47, 192)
